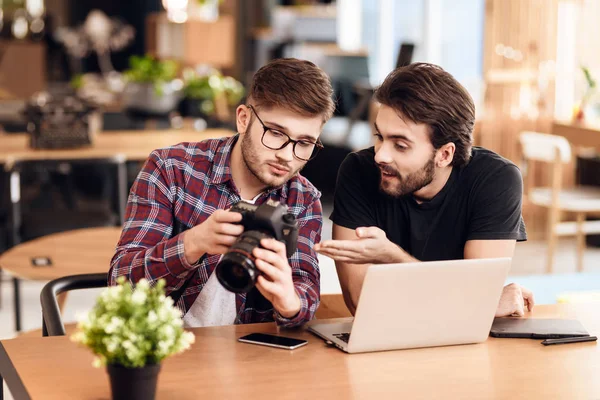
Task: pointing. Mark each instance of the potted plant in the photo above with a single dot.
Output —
(131, 331)
(152, 86)
(212, 96)
(590, 83)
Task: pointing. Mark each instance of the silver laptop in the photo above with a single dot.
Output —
(424, 304)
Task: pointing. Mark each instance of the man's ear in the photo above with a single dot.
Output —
(243, 115)
(445, 155)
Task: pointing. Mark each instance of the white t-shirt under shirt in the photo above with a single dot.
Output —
(215, 305)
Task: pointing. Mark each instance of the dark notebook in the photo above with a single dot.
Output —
(536, 328)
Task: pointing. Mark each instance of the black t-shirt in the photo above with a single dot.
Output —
(481, 201)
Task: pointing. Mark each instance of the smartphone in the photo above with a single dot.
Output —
(41, 261)
(281, 342)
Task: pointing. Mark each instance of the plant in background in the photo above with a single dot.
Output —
(589, 91)
(212, 90)
(133, 328)
(590, 83)
(147, 69)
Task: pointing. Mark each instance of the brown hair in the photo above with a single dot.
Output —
(425, 93)
(298, 85)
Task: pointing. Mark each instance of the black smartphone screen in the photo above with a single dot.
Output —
(272, 340)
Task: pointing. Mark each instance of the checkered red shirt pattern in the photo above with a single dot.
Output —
(183, 185)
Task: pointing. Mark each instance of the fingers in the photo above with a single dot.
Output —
(275, 259)
(528, 298)
(273, 273)
(225, 240)
(352, 245)
(340, 255)
(268, 289)
(275, 246)
(518, 308)
(517, 300)
(511, 302)
(229, 229)
(227, 216)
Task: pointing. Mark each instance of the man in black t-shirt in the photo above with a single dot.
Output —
(423, 193)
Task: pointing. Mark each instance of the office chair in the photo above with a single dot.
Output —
(555, 151)
(52, 324)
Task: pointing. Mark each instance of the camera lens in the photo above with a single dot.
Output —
(236, 271)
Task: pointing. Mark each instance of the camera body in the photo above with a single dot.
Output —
(237, 270)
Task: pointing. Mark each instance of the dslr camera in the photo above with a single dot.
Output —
(237, 270)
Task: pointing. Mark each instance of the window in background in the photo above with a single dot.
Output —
(444, 32)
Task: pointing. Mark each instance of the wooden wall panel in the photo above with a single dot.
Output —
(518, 95)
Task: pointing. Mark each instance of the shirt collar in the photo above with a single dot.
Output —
(221, 169)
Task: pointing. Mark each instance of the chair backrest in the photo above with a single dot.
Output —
(52, 324)
(545, 147)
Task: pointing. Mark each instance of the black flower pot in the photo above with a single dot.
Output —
(133, 383)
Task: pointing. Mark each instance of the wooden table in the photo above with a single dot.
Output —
(578, 134)
(218, 366)
(130, 145)
(81, 251)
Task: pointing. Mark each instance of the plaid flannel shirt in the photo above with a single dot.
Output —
(182, 186)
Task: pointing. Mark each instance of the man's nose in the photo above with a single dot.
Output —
(383, 155)
(287, 153)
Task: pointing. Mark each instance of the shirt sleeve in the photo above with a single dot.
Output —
(496, 209)
(353, 203)
(146, 248)
(305, 266)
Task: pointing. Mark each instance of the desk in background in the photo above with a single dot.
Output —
(580, 135)
(115, 147)
(218, 366)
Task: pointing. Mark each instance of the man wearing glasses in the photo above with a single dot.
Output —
(177, 225)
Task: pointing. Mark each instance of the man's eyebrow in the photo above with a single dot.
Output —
(308, 137)
(393, 136)
(276, 126)
(287, 131)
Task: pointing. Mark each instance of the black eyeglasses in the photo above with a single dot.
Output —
(273, 139)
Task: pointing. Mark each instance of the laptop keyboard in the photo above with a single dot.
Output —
(344, 337)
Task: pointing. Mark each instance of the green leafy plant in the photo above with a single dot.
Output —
(147, 69)
(591, 85)
(77, 81)
(208, 88)
(133, 327)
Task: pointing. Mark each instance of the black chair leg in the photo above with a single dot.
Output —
(17, 293)
(1, 284)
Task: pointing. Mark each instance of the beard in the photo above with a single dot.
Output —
(399, 185)
(260, 169)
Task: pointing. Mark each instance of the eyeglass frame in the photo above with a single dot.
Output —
(318, 145)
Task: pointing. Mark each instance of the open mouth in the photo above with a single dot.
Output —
(387, 174)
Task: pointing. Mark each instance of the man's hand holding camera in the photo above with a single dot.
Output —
(276, 283)
(219, 232)
(213, 236)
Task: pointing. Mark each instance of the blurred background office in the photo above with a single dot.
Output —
(78, 75)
